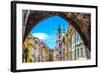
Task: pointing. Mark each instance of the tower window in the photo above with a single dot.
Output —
(59, 36)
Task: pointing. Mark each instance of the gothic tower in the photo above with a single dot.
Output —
(59, 42)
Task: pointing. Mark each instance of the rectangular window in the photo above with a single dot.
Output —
(81, 52)
(78, 53)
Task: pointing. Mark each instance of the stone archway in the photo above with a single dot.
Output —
(80, 21)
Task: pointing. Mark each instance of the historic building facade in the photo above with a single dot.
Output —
(37, 51)
(74, 46)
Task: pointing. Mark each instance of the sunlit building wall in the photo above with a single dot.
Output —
(78, 48)
(75, 48)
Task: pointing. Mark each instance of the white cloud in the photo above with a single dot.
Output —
(41, 36)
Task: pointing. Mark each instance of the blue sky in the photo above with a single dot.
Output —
(46, 30)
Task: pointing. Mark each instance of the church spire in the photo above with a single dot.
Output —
(59, 29)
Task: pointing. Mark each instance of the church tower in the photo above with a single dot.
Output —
(63, 43)
(59, 38)
(59, 42)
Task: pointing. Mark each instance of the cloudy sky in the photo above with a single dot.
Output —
(46, 30)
